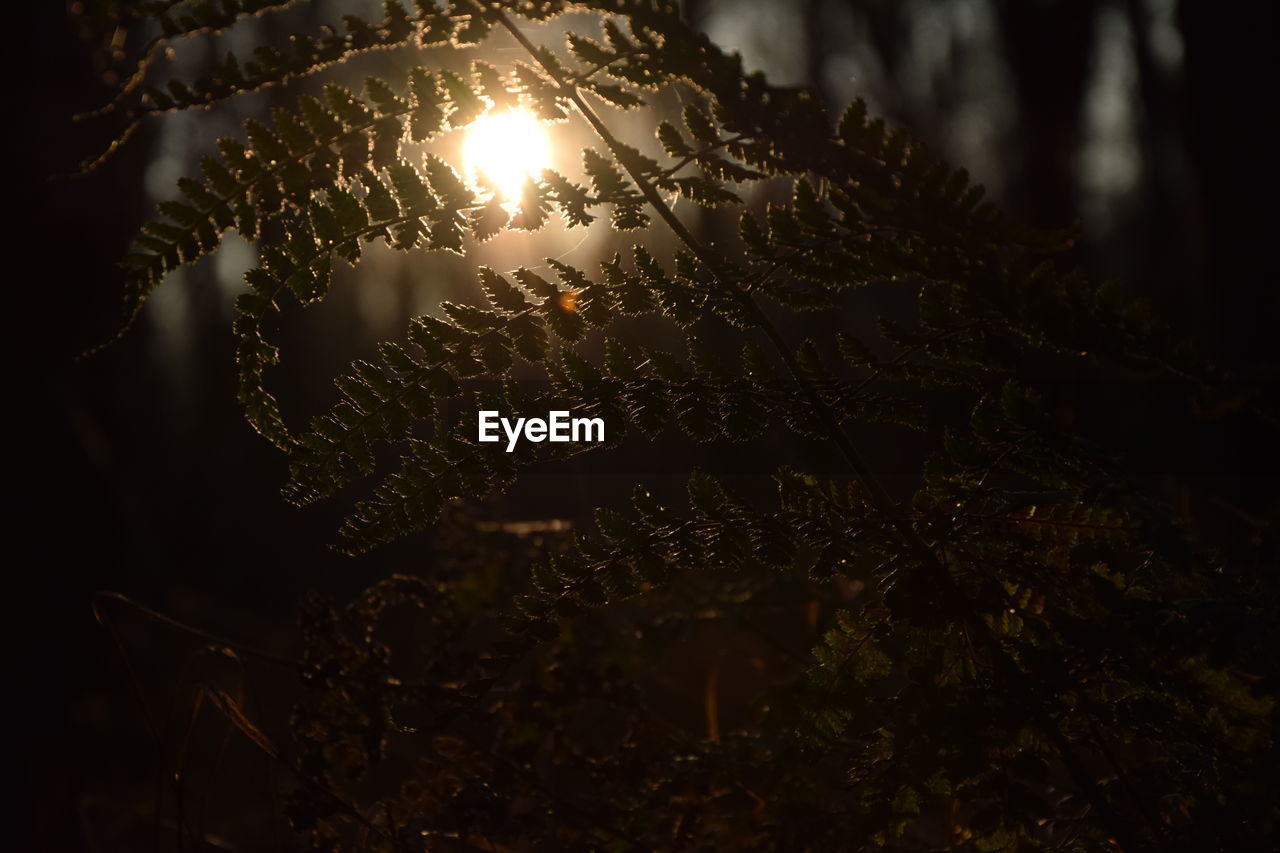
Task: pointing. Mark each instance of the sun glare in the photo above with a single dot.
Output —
(502, 149)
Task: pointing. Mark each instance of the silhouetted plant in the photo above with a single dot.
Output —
(1032, 661)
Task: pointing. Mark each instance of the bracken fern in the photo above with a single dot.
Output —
(967, 678)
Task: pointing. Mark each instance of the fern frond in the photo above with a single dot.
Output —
(269, 66)
(306, 151)
(1070, 524)
(404, 211)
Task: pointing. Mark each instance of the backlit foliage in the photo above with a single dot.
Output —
(1029, 663)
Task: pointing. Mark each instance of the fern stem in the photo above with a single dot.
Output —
(670, 171)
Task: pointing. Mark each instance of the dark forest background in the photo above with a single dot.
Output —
(1149, 122)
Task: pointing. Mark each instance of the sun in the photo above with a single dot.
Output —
(502, 149)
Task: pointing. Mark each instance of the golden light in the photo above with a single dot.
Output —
(502, 149)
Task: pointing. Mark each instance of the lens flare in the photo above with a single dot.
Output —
(502, 149)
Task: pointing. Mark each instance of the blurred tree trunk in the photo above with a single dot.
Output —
(1230, 71)
(817, 50)
(1161, 248)
(1048, 46)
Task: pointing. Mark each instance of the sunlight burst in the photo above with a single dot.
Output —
(502, 149)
